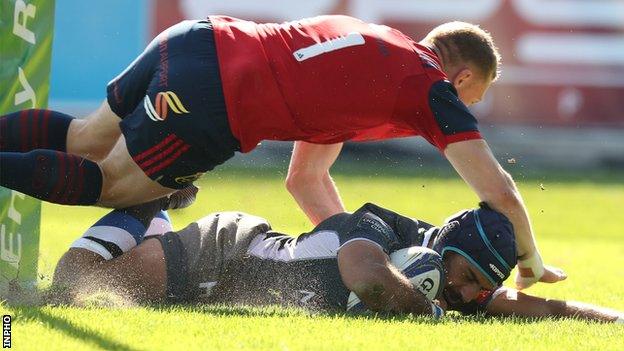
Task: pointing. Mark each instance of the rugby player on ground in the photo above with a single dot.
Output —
(236, 258)
(203, 90)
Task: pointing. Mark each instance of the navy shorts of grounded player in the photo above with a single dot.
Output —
(172, 107)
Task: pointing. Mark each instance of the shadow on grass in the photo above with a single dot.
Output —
(223, 310)
(69, 328)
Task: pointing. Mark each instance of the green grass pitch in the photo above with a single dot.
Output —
(578, 224)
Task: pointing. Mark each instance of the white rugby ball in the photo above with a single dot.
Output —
(422, 266)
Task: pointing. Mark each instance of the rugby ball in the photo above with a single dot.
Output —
(422, 266)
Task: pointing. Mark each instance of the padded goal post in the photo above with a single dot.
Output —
(26, 31)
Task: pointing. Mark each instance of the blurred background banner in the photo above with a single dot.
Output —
(558, 102)
(26, 30)
(93, 42)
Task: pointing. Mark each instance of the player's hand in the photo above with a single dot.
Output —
(532, 270)
(553, 275)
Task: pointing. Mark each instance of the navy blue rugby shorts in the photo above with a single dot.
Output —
(172, 107)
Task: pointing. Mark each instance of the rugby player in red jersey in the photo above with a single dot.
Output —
(203, 90)
(235, 258)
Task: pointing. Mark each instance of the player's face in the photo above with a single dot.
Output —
(471, 87)
(463, 281)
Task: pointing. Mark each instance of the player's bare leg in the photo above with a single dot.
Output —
(140, 273)
(94, 136)
(66, 178)
(124, 183)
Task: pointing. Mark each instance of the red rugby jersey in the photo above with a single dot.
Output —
(331, 79)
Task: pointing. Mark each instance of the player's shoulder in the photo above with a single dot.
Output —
(450, 112)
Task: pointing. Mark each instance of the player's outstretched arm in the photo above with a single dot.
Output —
(511, 302)
(366, 270)
(310, 183)
(474, 162)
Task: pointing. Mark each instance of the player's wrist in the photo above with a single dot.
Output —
(530, 270)
(531, 267)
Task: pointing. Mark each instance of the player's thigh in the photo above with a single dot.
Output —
(124, 183)
(141, 271)
(94, 136)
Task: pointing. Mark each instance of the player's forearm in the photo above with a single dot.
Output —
(475, 163)
(515, 303)
(510, 203)
(332, 192)
(315, 195)
(585, 311)
(366, 270)
(390, 291)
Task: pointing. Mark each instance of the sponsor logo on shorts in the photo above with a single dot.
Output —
(497, 271)
(164, 101)
(188, 178)
(163, 52)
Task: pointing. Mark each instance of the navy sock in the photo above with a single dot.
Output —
(144, 213)
(52, 176)
(28, 130)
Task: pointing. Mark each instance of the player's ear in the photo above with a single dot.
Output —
(462, 77)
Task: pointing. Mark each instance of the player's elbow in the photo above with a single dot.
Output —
(297, 180)
(372, 294)
(358, 276)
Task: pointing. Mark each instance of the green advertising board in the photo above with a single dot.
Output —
(26, 29)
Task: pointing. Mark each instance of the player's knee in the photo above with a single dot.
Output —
(111, 195)
(123, 187)
(81, 141)
(93, 137)
(296, 180)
